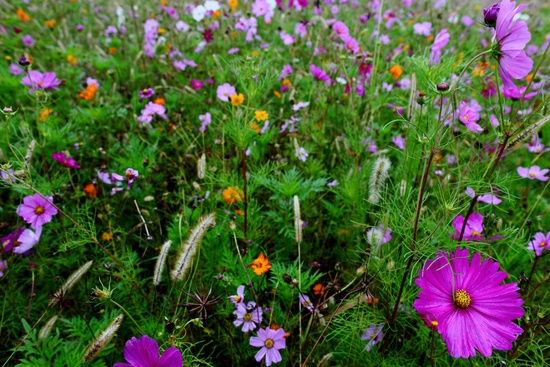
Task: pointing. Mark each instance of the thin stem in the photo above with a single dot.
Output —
(245, 199)
(32, 295)
(129, 315)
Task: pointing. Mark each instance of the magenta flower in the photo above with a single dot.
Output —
(319, 74)
(516, 92)
(64, 160)
(3, 266)
(467, 303)
(486, 198)
(540, 243)
(144, 352)
(8, 242)
(196, 84)
(248, 316)
(271, 341)
(468, 114)
(225, 91)
(37, 80)
(533, 172)
(36, 210)
(511, 38)
(441, 40)
(28, 40)
(473, 229)
(373, 334)
(351, 44)
(239, 298)
(490, 15)
(340, 29)
(146, 93)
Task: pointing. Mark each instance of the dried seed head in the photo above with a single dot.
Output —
(159, 266)
(378, 177)
(297, 220)
(69, 283)
(47, 328)
(201, 166)
(102, 339)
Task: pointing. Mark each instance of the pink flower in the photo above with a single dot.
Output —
(37, 80)
(205, 120)
(37, 210)
(511, 38)
(270, 341)
(287, 39)
(468, 114)
(248, 316)
(441, 40)
(540, 243)
(351, 44)
(515, 93)
(144, 352)
(319, 74)
(239, 298)
(535, 145)
(225, 91)
(399, 142)
(27, 240)
(28, 40)
(533, 172)
(306, 302)
(15, 69)
(468, 305)
(64, 160)
(150, 110)
(423, 29)
(340, 29)
(487, 198)
(196, 84)
(473, 229)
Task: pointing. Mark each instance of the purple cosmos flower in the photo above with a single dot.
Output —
(298, 106)
(80, 27)
(3, 266)
(469, 306)
(36, 210)
(399, 141)
(110, 30)
(473, 229)
(287, 70)
(9, 241)
(511, 37)
(351, 44)
(270, 341)
(146, 93)
(150, 110)
(37, 80)
(379, 236)
(535, 145)
(533, 172)
(248, 316)
(516, 92)
(441, 40)
(205, 120)
(239, 298)
(373, 334)
(340, 29)
(287, 39)
(131, 175)
(27, 240)
(109, 178)
(28, 40)
(423, 29)
(233, 50)
(306, 302)
(225, 91)
(333, 183)
(468, 114)
(319, 74)
(487, 198)
(196, 84)
(144, 352)
(64, 160)
(15, 69)
(540, 243)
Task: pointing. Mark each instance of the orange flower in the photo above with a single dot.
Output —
(72, 60)
(480, 69)
(112, 50)
(255, 53)
(395, 71)
(260, 265)
(160, 101)
(318, 289)
(277, 94)
(239, 212)
(287, 83)
(261, 115)
(254, 126)
(107, 236)
(216, 14)
(232, 195)
(50, 23)
(163, 2)
(90, 190)
(237, 99)
(233, 4)
(88, 93)
(22, 15)
(44, 114)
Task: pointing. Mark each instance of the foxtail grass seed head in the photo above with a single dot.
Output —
(30, 151)
(102, 339)
(159, 266)
(378, 177)
(297, 219)
(189, 247)
(201, 166)
(69, 283)
(47, 328)
(526, 133)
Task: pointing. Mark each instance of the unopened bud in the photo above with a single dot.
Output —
(490, 15)
(443, 87)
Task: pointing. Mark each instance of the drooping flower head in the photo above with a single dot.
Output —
(37, 210)
(64, 160)
(239, 297)
(270, 341)
(144, 352)
(511, 38)
(467, 303)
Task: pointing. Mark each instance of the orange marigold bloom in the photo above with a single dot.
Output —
(395, 71)
(22, 15)
(233, 4)
(260, 265)
(163, 2)
(318, 289)
(216, 14)
(237, 99)
(239, 212)
(88, 93)
(113, 50)
(50, 23)
(107, 236)
(90, 190)
(72, 60)
(287, 83)
(277, 94)
(161, 101)
(261, 115)
(44, 113)
(232, 195)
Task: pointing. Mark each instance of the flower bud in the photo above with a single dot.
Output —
(443, 87)
(490, 15)
(23, 61)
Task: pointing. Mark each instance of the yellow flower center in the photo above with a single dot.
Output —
(269, 343)
(531, 175)
(435, 323)
(247, 317)
(39, 210)
(462, 298)
(237, 299)
(476, 233)
(542, 244)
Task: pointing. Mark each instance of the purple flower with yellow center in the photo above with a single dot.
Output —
(467, 303)
(270, 341)
(37, 210)
(36, 80)
(64, 160)
(144, 352)
(146, 93)
(540, 243)
(319, 73)
(473, 229)
(239, 297)
(26, 241)
(225, 91)
(373, 334)
(533, 173)
(306, 302)
(248, 316)
(468, 114)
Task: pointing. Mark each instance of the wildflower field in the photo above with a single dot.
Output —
(261, 182)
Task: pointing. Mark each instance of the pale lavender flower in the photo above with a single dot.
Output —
(373, 334)
(205, 120)
(239, 297)
(248, 316)
(423, 29)
(270, 341)
(441, 40)
(225, 91)
(28, 40)
(306, 302)
(399, 142)
(533, 173)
